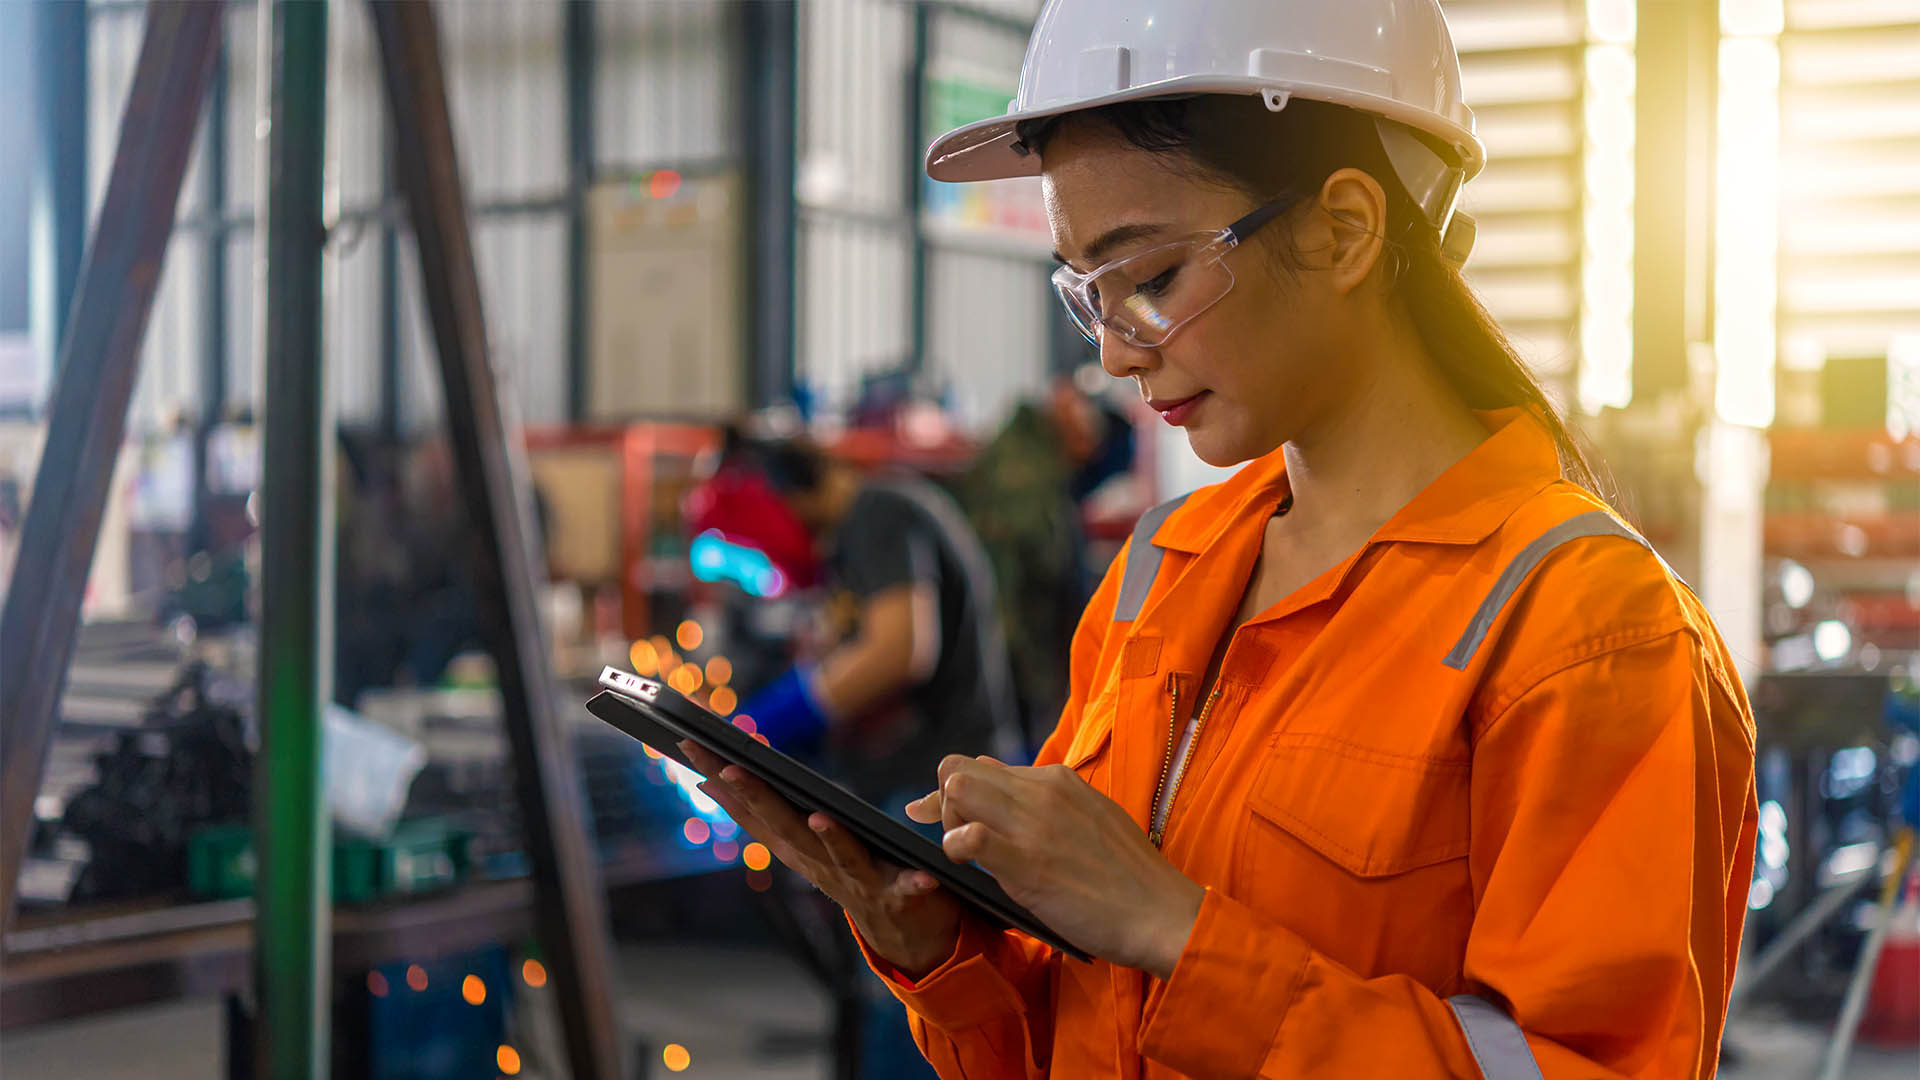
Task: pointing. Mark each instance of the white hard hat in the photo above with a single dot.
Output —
(1393, 59)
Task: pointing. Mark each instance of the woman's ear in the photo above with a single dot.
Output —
(1356, 222)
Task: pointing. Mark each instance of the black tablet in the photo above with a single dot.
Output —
(660, 717)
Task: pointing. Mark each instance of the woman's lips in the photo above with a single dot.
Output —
(1179, 412)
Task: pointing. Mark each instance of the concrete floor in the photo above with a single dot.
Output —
(742, 1014)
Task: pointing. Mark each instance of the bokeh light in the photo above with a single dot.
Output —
(689, 635)
(724, 700)
(757, 857)
(719, 671)
(697, 831)
(676, 1058)
(417, 977)
(508, 1059)
(376, 984)
(474, 990)
(663, 184)
(759, 880)
(725, 850)
(745, 723)
(535, 973)
(646, 661)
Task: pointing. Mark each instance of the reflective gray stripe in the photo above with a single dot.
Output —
(1499, 1047)
(1597, 523)
(1143, 561)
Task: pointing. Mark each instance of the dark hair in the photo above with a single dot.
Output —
(1238, 142)
(790, 465)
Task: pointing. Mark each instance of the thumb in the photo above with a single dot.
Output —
(927, 809)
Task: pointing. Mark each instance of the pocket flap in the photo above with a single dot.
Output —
(1091, 738)
(1372, 812)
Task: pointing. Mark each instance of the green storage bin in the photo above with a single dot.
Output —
(421, 856)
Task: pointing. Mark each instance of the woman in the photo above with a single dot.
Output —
(1396, 754)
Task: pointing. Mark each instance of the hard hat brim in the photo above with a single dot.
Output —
(985, 150)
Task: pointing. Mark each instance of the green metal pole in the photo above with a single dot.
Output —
(291, 834)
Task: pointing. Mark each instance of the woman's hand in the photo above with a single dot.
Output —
(1068, 854)
(905, 916)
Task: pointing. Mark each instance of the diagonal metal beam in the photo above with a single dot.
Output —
(570, 905)
(99, 360)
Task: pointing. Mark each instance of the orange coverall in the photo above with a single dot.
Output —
(1561, 822)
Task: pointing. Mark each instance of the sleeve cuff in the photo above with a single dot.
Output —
(1234, 982)
(965, 991)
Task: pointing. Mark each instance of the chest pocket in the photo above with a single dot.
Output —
(1372, 813)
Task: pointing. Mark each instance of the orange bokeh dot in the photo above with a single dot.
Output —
(508, 1059)
(651, 752)
(676, 1058)
(535, 973)
(663, 185)
(645, 660)
(474, 989)
(719, 671)
(689, 635)
(757, 857)
(417, 977)
(687, 678)
(761, 739)
(745, 723)
(724, 700)
(697, 831)
(376, 984)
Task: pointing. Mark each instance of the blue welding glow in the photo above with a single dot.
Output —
(689, 782)
(715, 558)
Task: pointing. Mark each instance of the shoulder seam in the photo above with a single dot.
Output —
(1589, 649)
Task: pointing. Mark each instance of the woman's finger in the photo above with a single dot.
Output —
(846, 853)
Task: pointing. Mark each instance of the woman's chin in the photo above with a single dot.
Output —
(1218, 448)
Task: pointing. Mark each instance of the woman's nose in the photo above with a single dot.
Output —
(1122, 359)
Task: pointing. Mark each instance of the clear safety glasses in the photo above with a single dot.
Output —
(1145, 298)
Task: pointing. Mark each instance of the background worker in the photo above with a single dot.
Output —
(1396, 754)
(911, 665)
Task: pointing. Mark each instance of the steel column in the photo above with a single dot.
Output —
(770, 128)
(916, 191)
(213, 296)
(570, 904)
(59, 168)
(1676, 60)
(391, 384)
(292, 836)
(579, 16)
(88, 417)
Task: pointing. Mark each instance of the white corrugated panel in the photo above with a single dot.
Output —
(521, 261)
(667, 81)
(854, 261)
(169, 379)
(855, 62)
(352, 329)
(987, 332)
(1520, 66)
(1849, 177)
(522, 268)
(506, 86)
(854, 310)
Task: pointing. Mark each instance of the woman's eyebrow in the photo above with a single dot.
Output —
(1117, 236)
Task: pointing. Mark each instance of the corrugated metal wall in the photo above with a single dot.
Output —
(1849, 179)
(667, 76)
(853, 289)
